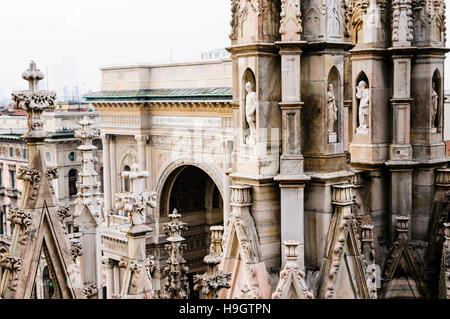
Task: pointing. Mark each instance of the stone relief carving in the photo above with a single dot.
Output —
(134, 203)
(250, 112)
(90, 290)
(14, 265)
(312, 13)
(334, 17)
(292, 279)
(32, 176)
(291, 22)
(402, 24)
(434, 105)
(362, 94)
(332, 108)
(23, 219)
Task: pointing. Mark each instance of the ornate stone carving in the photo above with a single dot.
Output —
(51, 174)
(434, 104)
(444, 289)
(135, 202)
(443, 177)
(213, 280)
(235, 10)
(177, 286)
(32, 176)
(76, 250)
(402, 24)
(332, 108)
(312, 11)
(14, 265)
(22, 218)
(250, 112)
(291, 20)
(362, 94)
(90, 290)
(34, 102)
(63, 212)
(292, 280)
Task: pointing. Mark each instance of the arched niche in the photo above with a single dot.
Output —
(334, 101)
(248, 76)
(436, 100)
(362, 77)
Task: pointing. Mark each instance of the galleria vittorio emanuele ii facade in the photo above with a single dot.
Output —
(309, 163)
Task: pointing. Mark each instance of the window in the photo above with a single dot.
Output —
(126, 181)
(72, 156)
(12, 177)
(73, 176)
(11, 152)
(25, 155)
(48, 156)
(1, 176)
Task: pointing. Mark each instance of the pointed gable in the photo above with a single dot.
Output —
(343, 272)
(242, 256)
(404, 273)
(292, 283)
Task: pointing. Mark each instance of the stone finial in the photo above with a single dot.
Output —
(34, 102)
(213, 280)
(241, 195)
(342, 195)
(86, 133)
(134, 203)
(177, 286)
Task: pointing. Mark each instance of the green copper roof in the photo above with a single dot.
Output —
(217, 93)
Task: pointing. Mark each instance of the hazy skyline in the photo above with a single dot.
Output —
(96, 33)
(100, 32)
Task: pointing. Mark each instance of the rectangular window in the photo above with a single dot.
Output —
(11, 152)
(25, 155)
(12, 175)
(1, 177)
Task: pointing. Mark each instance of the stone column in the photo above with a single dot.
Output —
(107, 176)
(292, 178)
(227, 181)
(114, 172)
(110, 279)
(116, 276)
(141, 143)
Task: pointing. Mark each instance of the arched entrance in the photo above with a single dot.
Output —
(195, 195)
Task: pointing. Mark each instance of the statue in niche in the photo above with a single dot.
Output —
(250, 112)
(362, 93)
(332, 108)
(434, 104)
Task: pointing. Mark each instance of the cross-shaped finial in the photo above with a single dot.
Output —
(34, 102)
(33, 75)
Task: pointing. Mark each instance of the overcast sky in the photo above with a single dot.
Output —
(95, 33)
(105, 32)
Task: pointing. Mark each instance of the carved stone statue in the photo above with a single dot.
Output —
(250, 111)
(434, 104)
(362, 93)
(332, 108)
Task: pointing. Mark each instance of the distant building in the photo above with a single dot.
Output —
(60, 152)
(215, 54)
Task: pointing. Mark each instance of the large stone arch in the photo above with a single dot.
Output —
(166, 175)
